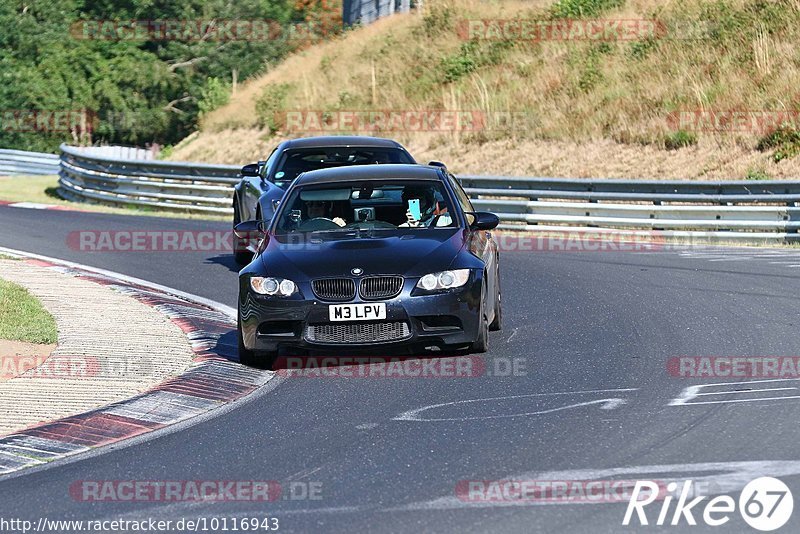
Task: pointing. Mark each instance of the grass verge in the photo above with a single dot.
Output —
(23, 318)
(42, 190)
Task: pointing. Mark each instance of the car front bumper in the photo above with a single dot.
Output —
(445, 319)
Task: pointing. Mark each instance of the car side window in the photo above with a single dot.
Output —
(463, 199)
(265, 172)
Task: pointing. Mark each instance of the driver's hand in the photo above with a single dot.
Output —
(339, 221)
(411, 220)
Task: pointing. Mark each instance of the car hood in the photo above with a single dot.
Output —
(414, 253)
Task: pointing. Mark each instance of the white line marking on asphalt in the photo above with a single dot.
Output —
(692, 392)
(732, 401)
(741, 391)
(305, 473)
(514, 333)
(605, 404)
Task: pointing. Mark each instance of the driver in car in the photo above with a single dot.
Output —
(430, 209)
(320, 209)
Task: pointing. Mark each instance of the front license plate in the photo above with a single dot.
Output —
(357, 312)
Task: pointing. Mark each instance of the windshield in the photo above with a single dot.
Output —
(296, 161)
(366, 206)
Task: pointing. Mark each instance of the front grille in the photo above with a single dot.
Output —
(380, 287)
(358, 333)
(334, 288)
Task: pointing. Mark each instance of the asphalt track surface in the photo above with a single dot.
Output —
(594, 332)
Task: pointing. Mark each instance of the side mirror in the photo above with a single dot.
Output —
(250, 170)
(483, 220)
(249, 229)
(275, 203)
(437, 164)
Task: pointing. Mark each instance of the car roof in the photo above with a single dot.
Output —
(340, 141)
(387, 171)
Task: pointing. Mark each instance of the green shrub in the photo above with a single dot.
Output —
(472, 55)
(756, 174)
(590, 73)
(679, 139)
(166, 152)
(272, 101)
(565, 9)
(461, 63)
(784, 140)
(214, 94)
(640, 49)
(437, 19)
(590, 67)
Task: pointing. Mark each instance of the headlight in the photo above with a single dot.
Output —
(272, 286)
(444, 280)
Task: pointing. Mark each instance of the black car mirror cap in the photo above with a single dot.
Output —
(483, 220)
(247, 229)
(250, 170)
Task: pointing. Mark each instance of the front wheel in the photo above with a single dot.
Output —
(497, 322)
(481, 344)
(240, 252)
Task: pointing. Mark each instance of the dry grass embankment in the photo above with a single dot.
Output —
(591, 108)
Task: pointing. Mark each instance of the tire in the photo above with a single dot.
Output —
(481, 344)
(497, 322)
(240, 252)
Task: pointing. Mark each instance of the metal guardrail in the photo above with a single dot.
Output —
(729, 210)
(21, 162)
(196, 187)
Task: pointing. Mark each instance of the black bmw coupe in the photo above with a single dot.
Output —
(264, 183)
(371, 256)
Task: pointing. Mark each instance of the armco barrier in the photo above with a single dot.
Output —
(728, 210)
(194, 187)
(21, 162)
(766, 210)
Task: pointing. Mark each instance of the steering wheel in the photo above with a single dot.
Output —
(318, 223)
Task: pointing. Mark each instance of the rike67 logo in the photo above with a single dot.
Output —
(765, 504)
